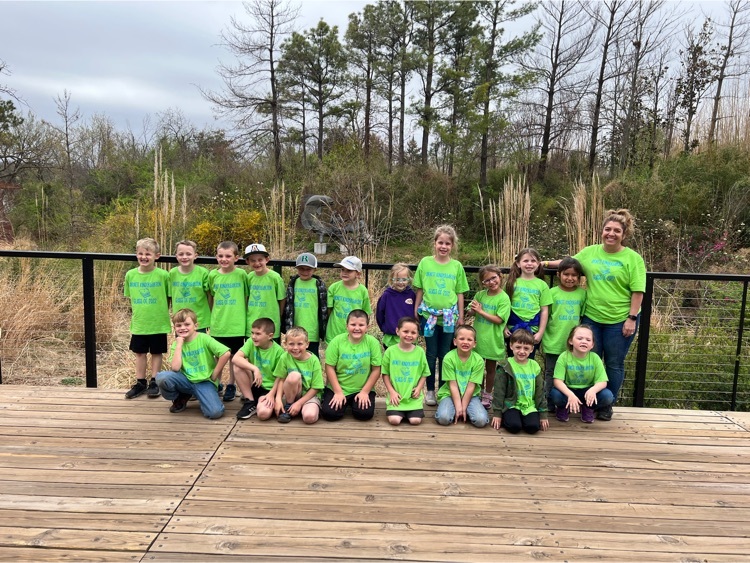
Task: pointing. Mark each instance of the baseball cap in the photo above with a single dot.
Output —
(255, 249)
(350, 263)
(306, 259)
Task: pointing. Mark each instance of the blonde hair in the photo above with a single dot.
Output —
(186, 242)
(148, 244)
(297, 331)
(449, 231)
(184, 314)
(622, 216)
(398, 267)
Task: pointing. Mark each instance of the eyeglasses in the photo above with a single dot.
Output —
(488, 281)
(400, 280)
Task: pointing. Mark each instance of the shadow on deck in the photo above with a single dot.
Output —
(89, 476)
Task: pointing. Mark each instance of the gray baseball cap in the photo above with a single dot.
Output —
(306, 259)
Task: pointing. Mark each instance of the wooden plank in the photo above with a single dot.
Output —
(73, 521)
(144, 504)
(42, 555)
(125, 490)
(62, 538)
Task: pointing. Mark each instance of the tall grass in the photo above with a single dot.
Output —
(584, 214)
(507, 229)
(282, 214)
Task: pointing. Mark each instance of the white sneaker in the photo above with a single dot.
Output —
(429, 399)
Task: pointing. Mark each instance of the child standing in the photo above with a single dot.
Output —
(440, 283)
(396, 302)
(346, 295)
(190, 284)
(148, 289)
(301, 380)
(529, 296)
(565, 314)
(307, 302)
(228, 286)
(518, 400)
(405, 371)
(463, 373)
(266, 293)
(254, 366)
(195, 369)
(352, 368)
(580, 378)
(491, 307)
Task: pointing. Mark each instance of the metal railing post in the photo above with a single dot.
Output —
(641, 359)
(89, 320)
(740, 331)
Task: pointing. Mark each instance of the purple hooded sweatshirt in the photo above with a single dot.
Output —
(392, 306)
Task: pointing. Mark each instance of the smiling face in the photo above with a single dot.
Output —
(186, 329)
(443, 247)
(357, 328)
(465, 341)
(492, 281)
(528, 264)
(521, 351)
(258, 263)
(349, 277)
(569, 279)
(226, 259)
(185, 255)
(408, 333)
(146, 258)
(613, 235)
(305, 272)
(582, 341)
(296, 346)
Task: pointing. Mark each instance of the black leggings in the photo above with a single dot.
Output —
(514, 422)
(331, 414)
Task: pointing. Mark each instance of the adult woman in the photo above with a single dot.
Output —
(615, 280)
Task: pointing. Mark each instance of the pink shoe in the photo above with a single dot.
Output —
(486, 400)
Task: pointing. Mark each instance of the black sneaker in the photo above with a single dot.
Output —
(136, 390)
(230, 393)
(153, 389)
(285, 417)
(180, 403)
(605, 413)
(248, 410)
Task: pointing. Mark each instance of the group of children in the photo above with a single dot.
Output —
(230, 316)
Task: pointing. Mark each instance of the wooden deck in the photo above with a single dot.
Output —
(89, 476)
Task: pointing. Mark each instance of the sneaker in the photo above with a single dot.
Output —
(153, 389)
(248, 410)
(587, 414)
(221, 389)
(180, 403)
(561, 414)
(429, 399)
(285, 417)
(487, 400)
(230, 393)
(136, 390)
(605, 413)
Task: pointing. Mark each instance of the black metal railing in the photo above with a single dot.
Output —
(691, 352)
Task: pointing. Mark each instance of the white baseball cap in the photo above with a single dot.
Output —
(350, 263)
(255, 249)
(306, 259)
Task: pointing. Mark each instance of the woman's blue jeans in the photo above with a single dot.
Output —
(436, 347)
(612, 347)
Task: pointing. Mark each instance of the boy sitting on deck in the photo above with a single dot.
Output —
(196, 364)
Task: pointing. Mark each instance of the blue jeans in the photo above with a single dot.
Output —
(475, 412)
(550, 361)
(172, 383)
(604, 398)
(436, 347)
(612, 347)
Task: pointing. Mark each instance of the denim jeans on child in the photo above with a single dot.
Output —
(172, 383)
(604, 398)
(436, 347)
(612, 347)
(475, 412)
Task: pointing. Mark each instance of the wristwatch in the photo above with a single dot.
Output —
(633, 317)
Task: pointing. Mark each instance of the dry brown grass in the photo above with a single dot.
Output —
(509, 218)
(584, 214)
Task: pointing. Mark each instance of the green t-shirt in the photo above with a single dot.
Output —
(263, 296)
(463, 373)
(525, 384)
(490, 337)
(189, 291)
(199, 357)
(265, 360)
(564, 315)
(580, 373)
(228, 316)
(341, 302)
(390, 340)
(149, 300)
(309, 369)
(440, 283)
(611, 279)
(405, 369)
(353, 362)
(306, 307)
(529, 296)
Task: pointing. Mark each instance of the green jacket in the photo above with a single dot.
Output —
(505, 393)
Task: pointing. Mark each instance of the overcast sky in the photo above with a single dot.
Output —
(127, 59)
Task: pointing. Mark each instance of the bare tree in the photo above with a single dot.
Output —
(67, 130)
(245, 100)
(737, 34)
